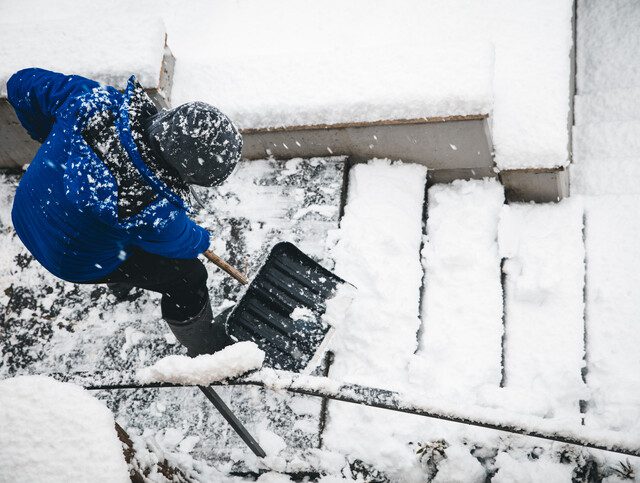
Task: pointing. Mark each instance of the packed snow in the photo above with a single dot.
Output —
(56, 432)
(230, 362)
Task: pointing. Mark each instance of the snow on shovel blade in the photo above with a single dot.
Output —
(290, 309)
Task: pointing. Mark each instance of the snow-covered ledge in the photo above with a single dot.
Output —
(110, 54)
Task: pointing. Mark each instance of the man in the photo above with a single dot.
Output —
(105, 198)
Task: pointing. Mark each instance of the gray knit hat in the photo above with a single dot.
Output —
(197, 140)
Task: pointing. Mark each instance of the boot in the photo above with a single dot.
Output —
(202, 334)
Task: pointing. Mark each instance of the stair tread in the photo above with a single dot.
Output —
(614, 105)
(462, 300)
(544, 277)
(606, 140)
(613, 312)
(606, 175)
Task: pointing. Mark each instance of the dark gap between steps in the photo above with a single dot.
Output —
(584, 404)
(421, 301)
(328, 359)
(503, 283)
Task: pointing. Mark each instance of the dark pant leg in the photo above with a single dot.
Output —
(182, 282)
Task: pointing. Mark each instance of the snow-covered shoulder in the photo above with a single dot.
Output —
(56, 431)
(232, 361)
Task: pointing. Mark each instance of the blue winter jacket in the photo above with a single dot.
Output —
(65, 208)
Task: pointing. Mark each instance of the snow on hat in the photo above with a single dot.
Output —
(197, 140)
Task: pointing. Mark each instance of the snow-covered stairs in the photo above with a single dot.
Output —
(606, 134)
(606, 169)
(378, 250)
(543, 251)
(606, 148)
(613, 312)
(612, 105)
(526, 356)
(461, 336)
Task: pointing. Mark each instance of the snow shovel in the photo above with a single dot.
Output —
(287, 311)
(289, 308)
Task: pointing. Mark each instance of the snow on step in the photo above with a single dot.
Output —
(56, 432)
(378, 250)
(608, 35)
(431, 78)
(613, 312)
(461, 341)
(121, 46)
(606, 176)
(606, 140)
(544, 328)
(608, 106)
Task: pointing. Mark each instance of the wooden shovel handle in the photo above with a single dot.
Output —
(226, 267)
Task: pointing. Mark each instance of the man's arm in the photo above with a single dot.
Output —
(36, 95)
(177, 238)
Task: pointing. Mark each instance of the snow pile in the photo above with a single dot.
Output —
(436, 77)
(544, 267)
(461, 337)
(56, 431)
(230, 362)
(607, 164)
(96, 44)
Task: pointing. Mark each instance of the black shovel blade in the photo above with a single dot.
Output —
(283, 309)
